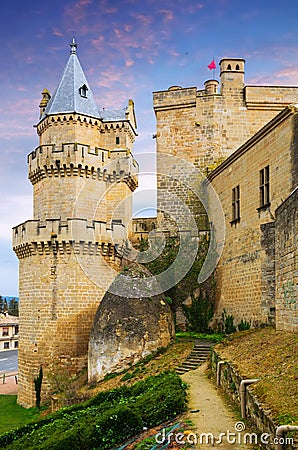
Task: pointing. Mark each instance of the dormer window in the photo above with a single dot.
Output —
(83, 91)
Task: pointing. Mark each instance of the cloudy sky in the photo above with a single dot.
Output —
(128, 49)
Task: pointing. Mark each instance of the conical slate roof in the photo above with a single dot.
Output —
(73, 93)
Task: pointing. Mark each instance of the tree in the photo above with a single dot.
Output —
(13, 308)
(186, 287)
(1, 304)
(5, 305)
(37, 385)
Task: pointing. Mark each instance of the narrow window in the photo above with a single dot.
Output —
(5, 331)
(103, 156)
(236, 204)
(229, 67)
(16, 344)
(83, 91)
(6, 345)
(16, 329)
(117, 140)
(264, 187)
(237, 67)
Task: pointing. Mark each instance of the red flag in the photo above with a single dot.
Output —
(212, 65)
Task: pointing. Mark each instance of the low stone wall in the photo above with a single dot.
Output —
(256, 414)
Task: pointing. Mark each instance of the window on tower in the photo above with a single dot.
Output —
(235, 205)
(117, 140)
(83, 91)
(264, 188)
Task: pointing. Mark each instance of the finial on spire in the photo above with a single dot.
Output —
(73, 46)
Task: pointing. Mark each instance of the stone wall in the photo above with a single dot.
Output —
(229, 380)
(205, 126)
(63, 277)
(245, 274)
(67, 254)
(286, 247)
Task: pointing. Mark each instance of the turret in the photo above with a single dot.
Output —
(231, 73)
(46, 96)
(83, 174)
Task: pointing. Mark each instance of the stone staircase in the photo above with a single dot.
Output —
(199, 354)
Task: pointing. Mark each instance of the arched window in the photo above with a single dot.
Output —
(237, 67)
(229, 67)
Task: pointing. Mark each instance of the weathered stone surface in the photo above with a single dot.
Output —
(127, 329)
(286, 264)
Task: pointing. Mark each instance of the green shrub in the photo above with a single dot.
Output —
(228, 323)
(243, 325)
(106, 420)
(200, 312)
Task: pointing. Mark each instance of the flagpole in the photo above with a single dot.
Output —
(213, 69)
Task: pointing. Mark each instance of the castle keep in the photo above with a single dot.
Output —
(81, 171)
(248, 134)
(204, 126)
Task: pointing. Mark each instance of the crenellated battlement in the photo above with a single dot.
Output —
(101, 125)
(82, 160)
(71, 236)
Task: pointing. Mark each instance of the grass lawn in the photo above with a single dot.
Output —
(13, 415)
(271, 356)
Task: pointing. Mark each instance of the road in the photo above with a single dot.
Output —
(8, 361)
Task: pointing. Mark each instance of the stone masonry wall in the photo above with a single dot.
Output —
(63, 277)
(205, 126)
(246, 269)
(67, 254)
(258, 416)
(287, 264)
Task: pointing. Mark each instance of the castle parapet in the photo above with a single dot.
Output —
(39, 234)
(174, 97)
(74, 159)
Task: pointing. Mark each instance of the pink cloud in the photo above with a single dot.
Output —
(288, 75)
(129, 63)
(145, 20)
(57, 32)
(21, 89)
(18, 117)
(76, 12)
(168, 14)
(110, 10)
(174, 53)
(98, 41)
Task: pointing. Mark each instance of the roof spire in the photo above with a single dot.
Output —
(73, 46)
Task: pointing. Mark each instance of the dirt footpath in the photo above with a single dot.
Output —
(212, 414)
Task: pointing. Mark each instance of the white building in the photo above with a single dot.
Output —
(9, 330)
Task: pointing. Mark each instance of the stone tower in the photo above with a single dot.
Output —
(81, 172)
(204, 126)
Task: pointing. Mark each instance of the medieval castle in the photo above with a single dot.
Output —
(83, 171)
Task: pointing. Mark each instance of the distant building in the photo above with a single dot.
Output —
(141, 228)
(9, 331)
